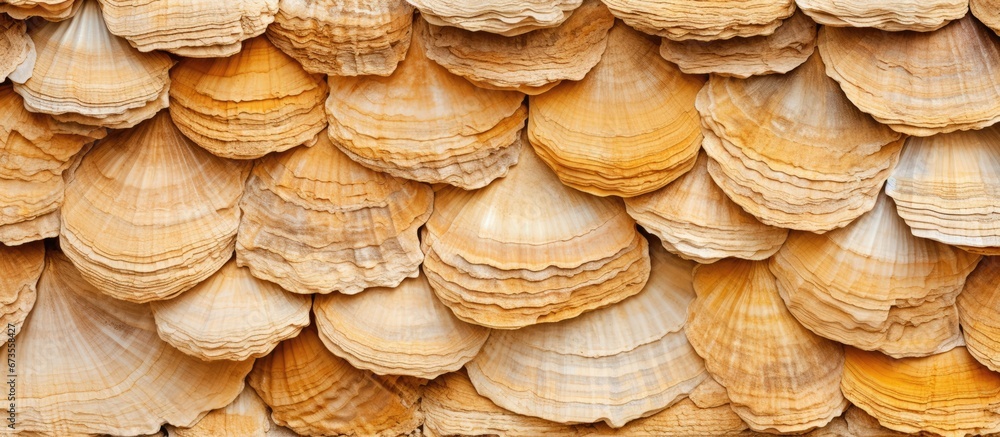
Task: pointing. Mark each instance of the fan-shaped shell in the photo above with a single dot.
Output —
(505, 17)
(988, 12)
(890, 15)
(17, 50)
(703, 20)
(977, 307)
(51, 10)
(247, 416)
(20, 268)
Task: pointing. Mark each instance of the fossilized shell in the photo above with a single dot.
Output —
(343, 37)
(91, 364)
(875, 286)
(696, 220)
(404, 330)
(946, 187)
(527, 249)
(780, 52)
(51, 10)
(703, 20)
(247, 105)
(637, 360)
(740, 326)
(148, 214)
(792, 151)
(949, 394)
(426, 124)
(531, 63)
(314, 222)
(17, 50)
(118, 88)
(919, 83)
(313, 392)
(628, 128)
(890, 15)
(988, 12)
(977, 308)
(190, 28)
(20, 268)
(505, 17)
(231, 316)
(247, 416)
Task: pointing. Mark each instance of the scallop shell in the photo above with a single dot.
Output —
(919, 83)
(504, 17)
(314, 222)
(51, 10)
(628, 128)
(245, 106)
(425, 124)
(247, 416)
(875, 286)
(889, 15)
(171, 206)
(703, 20)
(20, 268)
(343, 37)
(17, 50)
(977, 308)
(741, 327)
(988, 12)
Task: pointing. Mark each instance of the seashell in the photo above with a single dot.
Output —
(875, 286)
(245, 106)
(231, 316)
(890, 15)
(527, 249)
(314, 222)
(702, 20)
(245, 417)
(171, 206)
(50, 10)
(919, 83)
(695, 220)
(946, 187)
(977, 308)
(425, 124)
(119, 88)
(504, 17)
(82, 354)
(948, 394)
(190, 28)
(17, 50)
(583, 132)
(35, 150)
(780, 52)
(343, 37)
(404, 330)
(792, 151)
(738, 314)
(860, 423)
(313, 392)
(531, 63)
(987, 11)
(20, 268)
(637, 360)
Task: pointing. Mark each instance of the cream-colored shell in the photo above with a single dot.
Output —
(978, 308)
(50, 10)
(20, 268)
(703, 20)
(247, 416)
(988, 12)
(17, 50)
(890, 15)
(504, 17)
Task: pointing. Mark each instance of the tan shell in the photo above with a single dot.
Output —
(17, 50)
(988, 12)
(919, 83)
(628, 128)
(637, 360)
(527, 249)
(505, 17)
(247, 105)
(247, 416)
(119, 88)
(875, 286)
(703, 20)
(343, 37)
(531, 63)
(977, 308)
(397, 331)
(741, 327)
(792, 151)
(171, 206)
(890, 15)
(51, 10)
(314, 222)
(313, 392)
(780, 52)
(426, 124)
(20, 268)
(190, 28)
(696, 220)
(82, 355)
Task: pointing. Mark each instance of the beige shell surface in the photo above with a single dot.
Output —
(190, 28)
(246, 416)
(919, 83)
(531, 63)
(696, 220)
(343, 37)
(703, 20)
(738, 314)
(51, 10)
(875, 286)
(17, 50)
(404, 330)
(120, 86)
(780, 52)
(20, 268)
(313, 392)
(977, 308)
(172, 207)
(315, 222)
(637, 360)
(628, 128)
(504, 17)
(426, 124)
(988, 12)
(82, 354)
(247, 105)
(890, 15)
